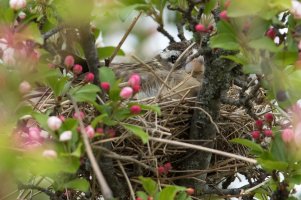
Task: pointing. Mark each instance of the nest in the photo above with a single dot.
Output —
(173, 124)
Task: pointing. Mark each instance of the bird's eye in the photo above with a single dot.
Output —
(173, 58)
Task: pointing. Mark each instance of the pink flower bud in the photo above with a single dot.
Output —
(24, 87)
(200, 28)
(227, 3)
(79, 115)
(34, 134)
(65, 136)
(269, 117)
(135, 109)
(62, 118)
(268, 133)
(255, 135)
(287, 135)
(77, 69)
(136, 88)
(259, 124)
(49, 154)
(89, 77)
(17, 4)
(54, 123)
(126, 92)
(223, 15)
(69, 61)
(105, 86)
(90, 131)
(134, 80)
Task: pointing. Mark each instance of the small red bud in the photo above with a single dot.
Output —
(271, 33)
(268, 133)
(200, 28)
(223, 15)
(161, 170)
(89, 78)
(77, 69)
(259, 124)
(190, 191)
(105, 86)
(99, 131)
(136, 88)
(135, 109)
(167, 166)
(150, 198)
(255, 135)
(111, 133)
(269, 117)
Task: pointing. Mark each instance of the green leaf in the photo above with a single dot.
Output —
(32, 32)
(272, 165)
(85, 93)
(264, 43)
(169, 192)
(56, 82)
(115, 91)
(237, 58)
(41, 119)
(107, 75)
(98, 119)
(252, 145)
(209, 6)
(154, 108)
(138, 131)
(79, 184)
(278, 148)
(149, 185)
(106, 52)
(142, 195)
(239, 8)
(225, 41)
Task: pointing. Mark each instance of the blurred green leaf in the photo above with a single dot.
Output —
(169, 192)
(106, 52)
(240, 8)
(107, 75)
(79, 184)
(250, 144)
(271, 165)
(149, 185)
(142, 195)
(114, 91)
(154, 108)
(209, 6)
(138, 131)
(84, 93)
(264, 43)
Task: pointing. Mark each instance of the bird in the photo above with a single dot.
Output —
(184, 80)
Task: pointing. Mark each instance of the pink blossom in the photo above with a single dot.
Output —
(77, 69)
(126, 92)
(54, 123)
(199, 28)
(34, 134)
(105, 86)
(65, 136)
(24, 87)
(255, 135)
(89, 77)
(135, 109)
(49, 153)
(69, 61)
(90, 131)
(287, 135)
(17, 4)
(224, 15)
(134, 80)
(296, 9)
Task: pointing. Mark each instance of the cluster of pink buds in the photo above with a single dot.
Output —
(165, 169)
(77, 69)
(263, 127)
(132, 88)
